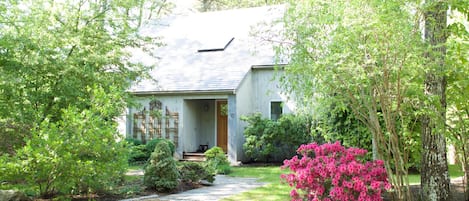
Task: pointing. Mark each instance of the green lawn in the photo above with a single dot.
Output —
(275, 190)
(454, 172)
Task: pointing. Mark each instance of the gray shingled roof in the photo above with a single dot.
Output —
(181, 68)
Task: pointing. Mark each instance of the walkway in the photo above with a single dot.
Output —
(224, 186)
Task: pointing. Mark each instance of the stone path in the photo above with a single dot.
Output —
(224, 186)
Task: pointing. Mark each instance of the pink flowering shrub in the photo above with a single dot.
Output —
(331, 172)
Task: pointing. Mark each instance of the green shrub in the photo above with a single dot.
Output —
(138, 154)
(216, 159)
(339, 124)
(133, 142)
(78, 154)
(150, 146)
(12, 135)
(161, 173)
(194, 172)
(275, 141)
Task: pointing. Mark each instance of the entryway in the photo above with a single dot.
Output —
(205, 126)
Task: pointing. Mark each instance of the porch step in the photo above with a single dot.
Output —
(190, 156)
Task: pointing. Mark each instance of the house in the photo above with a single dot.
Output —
(209, 73)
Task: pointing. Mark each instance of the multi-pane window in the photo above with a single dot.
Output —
(275, 110)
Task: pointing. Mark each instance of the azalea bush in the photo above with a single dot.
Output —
(331, 172)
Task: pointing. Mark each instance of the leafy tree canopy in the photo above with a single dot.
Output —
(366, 57)
(53, 52)
(211, 5)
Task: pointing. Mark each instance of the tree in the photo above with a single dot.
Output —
(364, 56)
(65, 66)
(211, 5)
(458, 91)
(53, 53)
(369, 57)
(443, 62)
(434, 173)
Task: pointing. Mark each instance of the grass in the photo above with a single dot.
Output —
(275, 190)
(135, 167)
(454, 172)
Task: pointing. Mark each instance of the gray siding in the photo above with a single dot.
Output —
(244, 106)
(266, 90)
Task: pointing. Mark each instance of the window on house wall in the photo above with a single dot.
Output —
(275, 110)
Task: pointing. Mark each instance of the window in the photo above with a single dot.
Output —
(275, 110)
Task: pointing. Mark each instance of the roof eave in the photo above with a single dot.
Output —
(185, 92)
(269, 66)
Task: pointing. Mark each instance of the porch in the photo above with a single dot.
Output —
(205, 126)
(193, 156)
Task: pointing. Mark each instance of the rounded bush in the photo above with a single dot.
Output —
(194, 172)
(150, 145)
(216, 159)
(161, 173)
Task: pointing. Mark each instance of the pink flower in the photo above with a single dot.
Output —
(294, 194)
(334, 173)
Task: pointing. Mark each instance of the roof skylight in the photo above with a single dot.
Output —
(216, 45)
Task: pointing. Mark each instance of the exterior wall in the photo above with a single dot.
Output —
(122, 123)
(189, 121)
(206, 121)
(233, 134)
(254, 94)
(266, 90)
(244, 106)
(197, 113)
(195, 124)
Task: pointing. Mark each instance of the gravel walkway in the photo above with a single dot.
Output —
(224, 186)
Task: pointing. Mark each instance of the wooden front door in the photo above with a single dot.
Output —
(222, 125)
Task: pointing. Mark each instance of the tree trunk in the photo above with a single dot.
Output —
(434, 173)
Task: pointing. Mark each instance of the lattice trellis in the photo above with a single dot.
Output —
(139, 125)
(172, 125)
(147, 125)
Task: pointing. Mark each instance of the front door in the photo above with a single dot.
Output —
(222, 125)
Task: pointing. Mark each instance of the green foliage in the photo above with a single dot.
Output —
(268, 140)
(161, 173)
(193, 172)
(138, 154)
(150, 146)
(211, 5)
(134, 142)
(216, 160)
(365, 57)
(78, 154)
(12, 135)
(458, 90)
(55, 54)
(338, 124)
